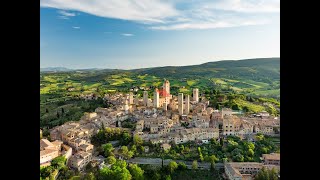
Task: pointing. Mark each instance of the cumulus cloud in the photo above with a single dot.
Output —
(65, 14)
(139, 10)
(175, 15)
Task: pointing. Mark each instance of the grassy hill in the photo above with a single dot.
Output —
(256, 78)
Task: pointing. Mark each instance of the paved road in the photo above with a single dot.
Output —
(158, 161)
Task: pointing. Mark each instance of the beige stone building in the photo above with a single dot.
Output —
(80, 160)
(226, 112)
(242, 170)
(271, 159)
(86, 147)
(48, 151)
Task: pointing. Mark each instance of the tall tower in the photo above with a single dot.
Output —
(196, 94)
(156, 98)
(180, 103)
(145, 98)
(187, 105)
(166, 89)
(136, 101)
(130, 98)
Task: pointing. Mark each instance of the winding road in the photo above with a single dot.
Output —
(158, 161)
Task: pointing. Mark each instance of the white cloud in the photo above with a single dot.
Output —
(177, 14)
(75, 27)
(65, 13)
(127, 34)
(205, 25)
(247, 6)
(142, 10)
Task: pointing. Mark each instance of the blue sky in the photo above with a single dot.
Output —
(130, 34)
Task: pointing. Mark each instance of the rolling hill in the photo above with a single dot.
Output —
(253, 84)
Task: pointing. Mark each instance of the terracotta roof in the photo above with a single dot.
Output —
(45, 143)
(57, 143)
(47, 151)
(272, 156)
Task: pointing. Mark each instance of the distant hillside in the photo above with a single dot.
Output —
(54, 69)
(259, 77)
(261, 69)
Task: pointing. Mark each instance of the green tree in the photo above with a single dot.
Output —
(89, 176)
(46, 171)
(194, 164)
(133, 149)
(167, 177)
(259, 137)
(118, 171)
(172, 166)
(125, 138)
(201, 157)
(262, 174)
(136, 172)
(58, 162)
(238, 158)
(250, 152)
(137, 140)
(273, 174)
(125, 152)
(250, 145)
(111, 160)
(182, 166)
(108, 148)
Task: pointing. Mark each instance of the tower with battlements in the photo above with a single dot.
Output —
(130, 98)
(156, 98)
(187, 105)
(196, 94)
(180, 103)
(166, 86)
(145, 98)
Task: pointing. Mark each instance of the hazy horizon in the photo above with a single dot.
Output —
(138, 34)
(154, 66)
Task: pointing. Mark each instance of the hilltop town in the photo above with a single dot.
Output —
(162, 120)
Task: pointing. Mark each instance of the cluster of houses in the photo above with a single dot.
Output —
(247, 170)
(161, 118)
(164, 118)
(50, 150)
(76, 136)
